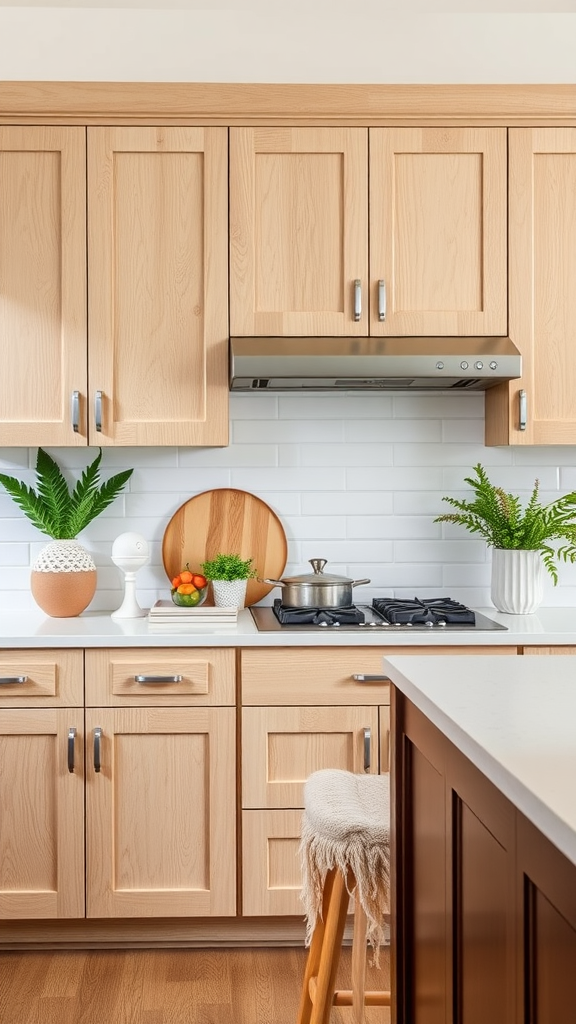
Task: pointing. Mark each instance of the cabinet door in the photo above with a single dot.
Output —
(438, 230)
(160, 812)
(281, 747)
(298, 230)
(158, 311)
(542, 293)
(42, 285)
(271, 867)
(42, 813)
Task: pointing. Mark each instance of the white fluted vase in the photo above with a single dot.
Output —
(517, 580)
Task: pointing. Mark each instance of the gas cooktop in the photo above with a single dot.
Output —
(388, 615)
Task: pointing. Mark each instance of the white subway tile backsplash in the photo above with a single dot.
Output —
(355, 478)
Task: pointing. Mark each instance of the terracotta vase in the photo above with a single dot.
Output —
(63, 579)
(517, 580)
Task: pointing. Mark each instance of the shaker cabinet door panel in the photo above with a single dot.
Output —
(438, 230)
(158, 311)
(539, 408)
(41, 813)
(42, 285)
(298, 230)
(160, 812)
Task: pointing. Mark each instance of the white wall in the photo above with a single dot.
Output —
(313, 42)
(356, 479)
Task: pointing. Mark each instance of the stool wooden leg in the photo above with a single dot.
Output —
(358, 963)
(331, 949)
(324, 953)
(313, 959)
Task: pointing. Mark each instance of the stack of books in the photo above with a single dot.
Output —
(166, 613)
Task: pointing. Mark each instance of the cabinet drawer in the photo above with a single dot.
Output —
(281, 747)
(313, 676)
(52, 678)
(271, 872)
(171, 677)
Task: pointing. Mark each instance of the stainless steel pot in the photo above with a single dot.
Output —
(317, 589)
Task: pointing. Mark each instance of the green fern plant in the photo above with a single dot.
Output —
(53, 508)
(500, 518)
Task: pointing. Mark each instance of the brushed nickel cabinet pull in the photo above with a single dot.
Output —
(71, 738)
(75, 411)
(361, 678)
(381, 300)
(97, 748)
(98, 411)
(158, 679)
(367, 750)
(523, 403)
(357, 300)
(7, 680)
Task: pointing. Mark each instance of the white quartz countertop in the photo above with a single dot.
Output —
(549, 626)
(514, 718)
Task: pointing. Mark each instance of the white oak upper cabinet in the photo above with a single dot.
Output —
(117, 335)
(42, 283)
(298, 230)
(355, 231)
(438, 231)
(157, 274)
(540, 407)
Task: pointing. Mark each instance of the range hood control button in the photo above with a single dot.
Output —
(463, 365)
(493, 365)
(439, 365)
(479, 365)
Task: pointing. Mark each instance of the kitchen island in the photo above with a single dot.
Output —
(484, 756)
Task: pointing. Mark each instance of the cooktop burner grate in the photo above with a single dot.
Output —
(317, 616)
(422, 610)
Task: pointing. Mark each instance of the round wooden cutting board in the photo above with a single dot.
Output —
(231, 522)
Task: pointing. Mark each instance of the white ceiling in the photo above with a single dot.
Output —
(377, 7)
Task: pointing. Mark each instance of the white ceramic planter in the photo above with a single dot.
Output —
(229, 593)
(517, 580)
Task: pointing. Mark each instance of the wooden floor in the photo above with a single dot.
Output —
(172, 986)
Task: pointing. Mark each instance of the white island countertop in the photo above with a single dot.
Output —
(549, 626)
(514, 719)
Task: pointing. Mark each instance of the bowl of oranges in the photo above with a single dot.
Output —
(189, 589)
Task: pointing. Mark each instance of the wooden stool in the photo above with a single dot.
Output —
(345, 850)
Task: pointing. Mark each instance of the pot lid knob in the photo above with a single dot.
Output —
(318, 565)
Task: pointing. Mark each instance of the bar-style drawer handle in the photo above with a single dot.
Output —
(367, 750)
(97, 748)
(71, 738)
(523, 413)
(98, 411)
(359, 677)
(357, 300)
(75, 411)
(381, 300)
(7, 680)
(158, 679)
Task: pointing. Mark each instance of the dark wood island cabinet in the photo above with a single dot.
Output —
(485, 917)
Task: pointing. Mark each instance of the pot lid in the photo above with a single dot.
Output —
(318, 577)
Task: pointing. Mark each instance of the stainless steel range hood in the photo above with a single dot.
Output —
(371, 364)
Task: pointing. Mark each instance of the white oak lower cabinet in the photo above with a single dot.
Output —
(159, 790)
(41, 784)
(301, 711)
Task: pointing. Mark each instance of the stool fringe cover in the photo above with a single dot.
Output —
(346, 825)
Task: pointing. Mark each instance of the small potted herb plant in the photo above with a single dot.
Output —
(522, 538)
(63, 579)
(229, 575)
